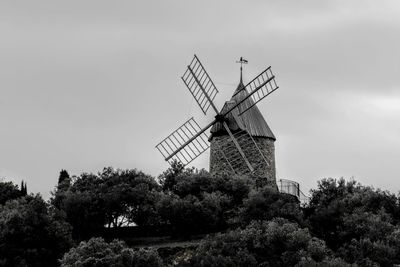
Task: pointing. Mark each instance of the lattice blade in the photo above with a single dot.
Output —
(200, 85)
(184, 144)
(229, 151)
(249, 148)
(259, 88)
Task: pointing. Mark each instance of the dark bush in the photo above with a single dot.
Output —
(30, 235)
(267, 203)
(9, 191)
(97, 252)
(262, 243)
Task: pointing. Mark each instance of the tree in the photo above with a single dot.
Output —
(192, 215)
(357, 222)
(58, 195)
(191, 182)
(112, 197)
(171, 176)
(97, 252)
(24, 189)
(184, 214)
(30, 235)
(9, 191)
(64, 175)
(85, 211)
(64, 181)
(262, 243)
(267, 203)
(194, 184)
(129, 196)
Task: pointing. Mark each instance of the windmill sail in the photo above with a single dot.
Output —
(184, 144)
(259, 88)
(200, 85)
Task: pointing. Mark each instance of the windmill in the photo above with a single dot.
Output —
(232, 136)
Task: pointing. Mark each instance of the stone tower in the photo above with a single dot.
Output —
(250, 128)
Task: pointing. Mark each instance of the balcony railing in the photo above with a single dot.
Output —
(292, 188)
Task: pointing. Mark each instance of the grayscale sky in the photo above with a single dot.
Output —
(88, 84)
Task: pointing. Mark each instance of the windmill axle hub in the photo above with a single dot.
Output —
(220, 118)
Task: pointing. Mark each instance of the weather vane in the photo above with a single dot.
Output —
(242, 61)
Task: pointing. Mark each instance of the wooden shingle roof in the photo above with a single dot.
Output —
(252, 120)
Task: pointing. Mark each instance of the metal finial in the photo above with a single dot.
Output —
(241, 61)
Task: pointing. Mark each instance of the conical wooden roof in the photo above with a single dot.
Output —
(252, 120)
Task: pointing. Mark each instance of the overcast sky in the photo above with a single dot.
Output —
(90, 84)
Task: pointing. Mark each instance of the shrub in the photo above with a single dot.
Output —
(30, 235)
(267, 203)
(262, 243)
(97, 252)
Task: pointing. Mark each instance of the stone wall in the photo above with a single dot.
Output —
(263, 168)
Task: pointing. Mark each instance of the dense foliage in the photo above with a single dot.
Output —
(112, 197)
(263, 243)
(30, 235)
(359, 223)
(248, 223)
(9, 191)
(97, 252)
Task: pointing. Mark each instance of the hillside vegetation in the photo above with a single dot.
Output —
(93, 219)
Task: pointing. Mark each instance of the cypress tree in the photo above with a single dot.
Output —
(63, 176)
(24, 190)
